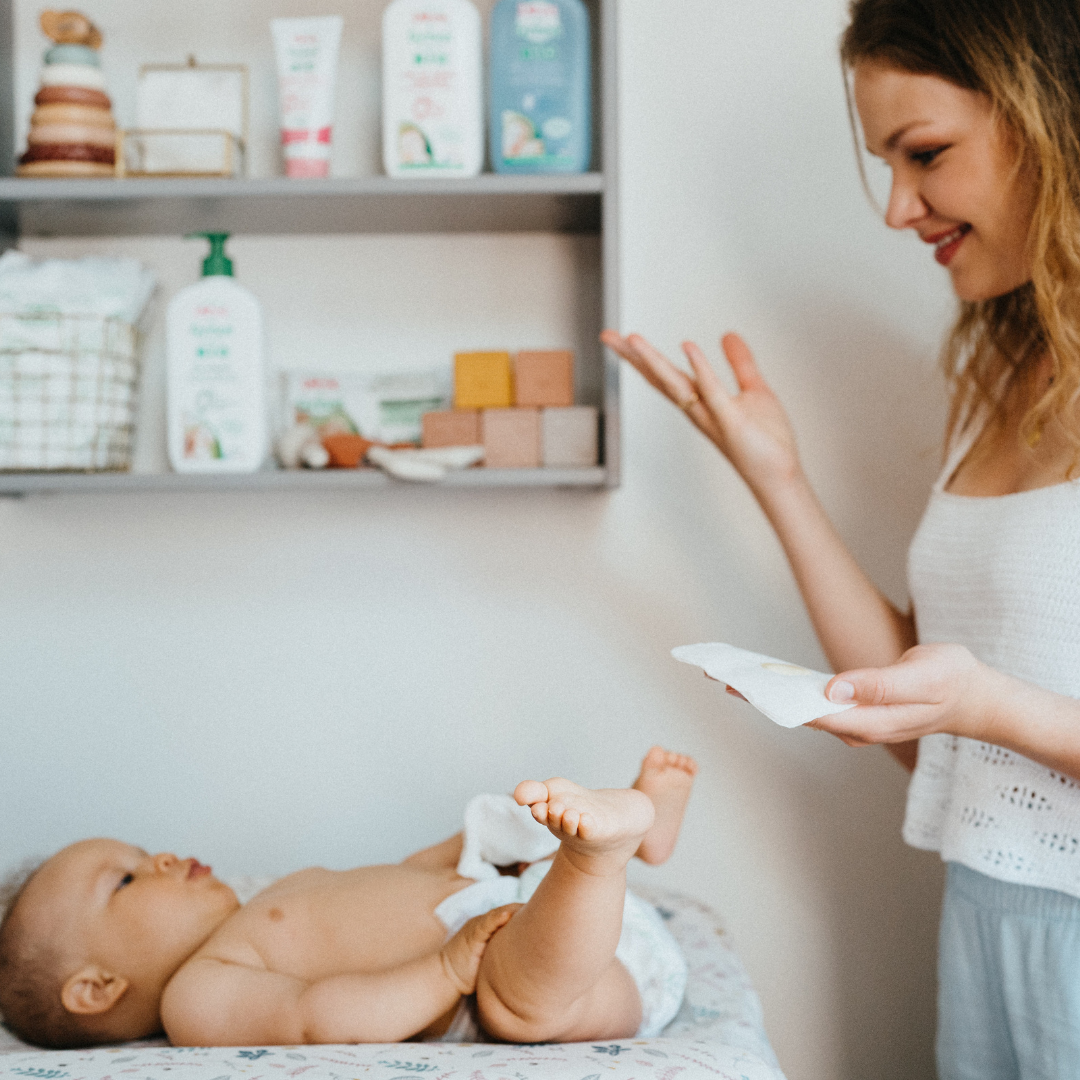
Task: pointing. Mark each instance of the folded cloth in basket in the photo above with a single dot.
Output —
(495, 825)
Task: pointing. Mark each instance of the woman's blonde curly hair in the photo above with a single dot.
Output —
(1025, 56)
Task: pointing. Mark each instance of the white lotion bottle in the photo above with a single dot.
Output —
(215, 386)
(433, 89)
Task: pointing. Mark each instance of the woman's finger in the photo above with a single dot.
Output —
(905, 682)
(742, 362)
(618, 344)
(675, 383)
(651, 364)
(709, 384)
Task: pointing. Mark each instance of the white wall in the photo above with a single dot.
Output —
(270, 681)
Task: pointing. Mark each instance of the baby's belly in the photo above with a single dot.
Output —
(362, 920)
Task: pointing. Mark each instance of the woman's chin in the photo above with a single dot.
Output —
(973, 288)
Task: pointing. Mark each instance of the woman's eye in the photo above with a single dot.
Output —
(127, 879)
(926, 157)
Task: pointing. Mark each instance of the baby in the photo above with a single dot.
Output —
(106, 943)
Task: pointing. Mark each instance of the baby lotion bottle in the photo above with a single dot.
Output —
(540, 107)
(216, 398)
(433, 107)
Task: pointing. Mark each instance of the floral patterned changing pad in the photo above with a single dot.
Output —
(717, 1035)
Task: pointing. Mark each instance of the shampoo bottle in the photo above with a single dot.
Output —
(215, 387)
(433, 102)
(540, 106)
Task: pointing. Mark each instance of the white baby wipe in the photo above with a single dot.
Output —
(788, 694)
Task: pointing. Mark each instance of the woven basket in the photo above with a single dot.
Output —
(68, 386)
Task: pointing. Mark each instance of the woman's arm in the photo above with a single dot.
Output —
(856, 625)
(942, 688)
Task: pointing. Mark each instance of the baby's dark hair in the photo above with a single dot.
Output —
(31, 976)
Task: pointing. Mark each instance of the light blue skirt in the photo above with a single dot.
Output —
(1008, 981)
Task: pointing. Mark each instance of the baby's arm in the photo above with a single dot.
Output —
(213, 1003)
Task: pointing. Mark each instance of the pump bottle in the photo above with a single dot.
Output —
(215, 383)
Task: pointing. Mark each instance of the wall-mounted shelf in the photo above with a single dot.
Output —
(16, 485)
(375, 204)
(569, 205)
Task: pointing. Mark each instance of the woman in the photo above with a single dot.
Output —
(975, 107)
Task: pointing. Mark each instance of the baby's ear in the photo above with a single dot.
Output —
(92, 991)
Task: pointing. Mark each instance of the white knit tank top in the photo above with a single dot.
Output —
(1001, 576)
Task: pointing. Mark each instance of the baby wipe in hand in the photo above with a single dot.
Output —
(787, 694)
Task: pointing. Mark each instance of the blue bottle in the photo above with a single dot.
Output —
(540, 111)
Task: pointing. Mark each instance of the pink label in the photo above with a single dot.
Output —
(306, 169)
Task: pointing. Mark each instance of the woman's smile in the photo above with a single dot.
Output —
(946, 244)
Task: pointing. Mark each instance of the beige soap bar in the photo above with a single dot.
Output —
(570, 437)
(511, 438)
(544, 378)
(450, 427)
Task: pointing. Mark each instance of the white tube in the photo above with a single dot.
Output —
(307, 55)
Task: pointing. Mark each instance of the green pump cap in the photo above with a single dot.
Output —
(216, 264)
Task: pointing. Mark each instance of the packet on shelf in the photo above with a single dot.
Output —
(381, 408)
(788, 694)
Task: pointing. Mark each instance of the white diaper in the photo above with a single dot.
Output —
(646, 947)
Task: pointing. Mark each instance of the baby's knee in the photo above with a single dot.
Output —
(516, 1022)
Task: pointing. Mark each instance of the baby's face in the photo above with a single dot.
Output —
(137, 915)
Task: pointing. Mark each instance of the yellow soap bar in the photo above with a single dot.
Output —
(483, 380)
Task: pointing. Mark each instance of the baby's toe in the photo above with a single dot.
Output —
(529, 792)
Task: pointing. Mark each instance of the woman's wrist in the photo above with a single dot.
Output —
(784, 494)
(994, 707)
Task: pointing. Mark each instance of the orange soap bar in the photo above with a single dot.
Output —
(544, 378)
(483, 380)
(454, 427)
(511, 438)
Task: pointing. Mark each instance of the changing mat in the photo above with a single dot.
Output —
(718, 1034)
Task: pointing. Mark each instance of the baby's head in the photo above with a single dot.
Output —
(90, 941)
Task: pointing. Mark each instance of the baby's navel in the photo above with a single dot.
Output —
(276, 914)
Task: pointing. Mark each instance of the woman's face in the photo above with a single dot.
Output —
(955, 179)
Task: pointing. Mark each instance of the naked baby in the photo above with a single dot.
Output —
(106, 943)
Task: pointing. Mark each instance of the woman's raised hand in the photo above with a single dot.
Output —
(750, 428)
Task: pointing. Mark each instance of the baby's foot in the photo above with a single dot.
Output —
(602, 828)
(667, 779)
(462, 954)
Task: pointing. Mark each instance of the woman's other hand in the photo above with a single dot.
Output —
(750, 427)
(930, 689)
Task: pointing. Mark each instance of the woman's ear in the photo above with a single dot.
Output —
(92, 991)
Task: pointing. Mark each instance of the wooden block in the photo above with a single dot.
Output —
(454, 427)
(544, 378)
(511, 438)
(570, 437)
(483, 380)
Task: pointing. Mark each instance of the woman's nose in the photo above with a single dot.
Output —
(906, 205)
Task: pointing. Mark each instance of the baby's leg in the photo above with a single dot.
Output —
(550, 975)
(667, 779)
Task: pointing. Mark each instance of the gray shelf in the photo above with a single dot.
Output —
(375, 204)
(16, 485)
(576, 204)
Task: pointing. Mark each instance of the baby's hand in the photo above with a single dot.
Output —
(462, 954)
